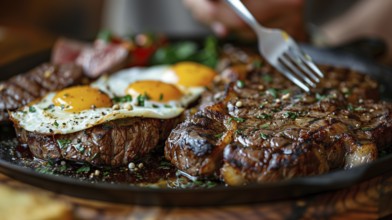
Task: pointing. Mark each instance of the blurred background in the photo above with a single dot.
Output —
(83, 19)
(29, 26)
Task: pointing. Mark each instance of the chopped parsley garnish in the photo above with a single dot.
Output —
(237, 119)
(45, 170)
(266, 125)
(360, 108)
(161, 97)
(121, 99)
(167, 106)
(267, 78)
(63, 143)
(62, 168)
(285, 91)
(264, 116)
(79, 148)
(219, 135)
(350, 107)
(32, 109)
(273, 92)
(164, 165)
(240, 84)
(257, 63)
(320, 97)
(264, 136)
(56, 123)
(83, 169)
(366, 129)
(49, 107)
(141, 99)
(291, 115)
(239, 131)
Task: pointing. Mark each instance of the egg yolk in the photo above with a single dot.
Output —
(80, 98)
(155, 90)
(193, 74)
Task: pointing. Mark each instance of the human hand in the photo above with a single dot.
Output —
(283, 14)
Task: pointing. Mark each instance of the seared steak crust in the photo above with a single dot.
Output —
(113, 143)
(265, 129)
(24, 88)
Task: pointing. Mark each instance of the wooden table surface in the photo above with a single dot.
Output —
(371, 199)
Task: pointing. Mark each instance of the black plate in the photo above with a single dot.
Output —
(220, 195)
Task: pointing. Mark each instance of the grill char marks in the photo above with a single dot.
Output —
(198, 143)
(24, 88)
(277, 132)
(113, 143)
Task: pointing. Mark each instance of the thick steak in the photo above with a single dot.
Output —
(113, 143)
(265, 129)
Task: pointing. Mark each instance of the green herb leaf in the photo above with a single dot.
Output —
(240, 84)
(237, 119)
(32, 109)
(366, 129)
(219, 135)
(273, 92)
(257, 64)
(320, 97)
(266, 125)
(350, 107)
(267, 78)
(80, 148)
(105, 35)
(83, 169)
(49, 107)
(360, 108)
(161, 97)
(63, 143)
(291, 115)
(141, 99)
(263, 136)
(264, 116)
(127, 98)
(188, 51)
(56, 123)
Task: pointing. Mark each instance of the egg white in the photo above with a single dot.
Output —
(45, 118)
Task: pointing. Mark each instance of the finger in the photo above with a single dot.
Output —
(269, 9)
(202, 10)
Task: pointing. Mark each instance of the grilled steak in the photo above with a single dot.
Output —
(95, 59)
(265, 129)
(67, 50)
(24, 88)
(113, 143)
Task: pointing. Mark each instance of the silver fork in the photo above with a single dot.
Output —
(281, 51)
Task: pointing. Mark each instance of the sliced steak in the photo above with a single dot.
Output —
(24, 88)
(113, 143)
(103, 58)
(67, 50)
(265, 129)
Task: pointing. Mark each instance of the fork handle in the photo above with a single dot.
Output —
(245, 14)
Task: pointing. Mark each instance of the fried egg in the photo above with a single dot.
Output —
(161, 92)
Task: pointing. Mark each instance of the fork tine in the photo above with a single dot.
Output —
(291, 77)
(309, 62)
(295, 52)
(289, 64)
